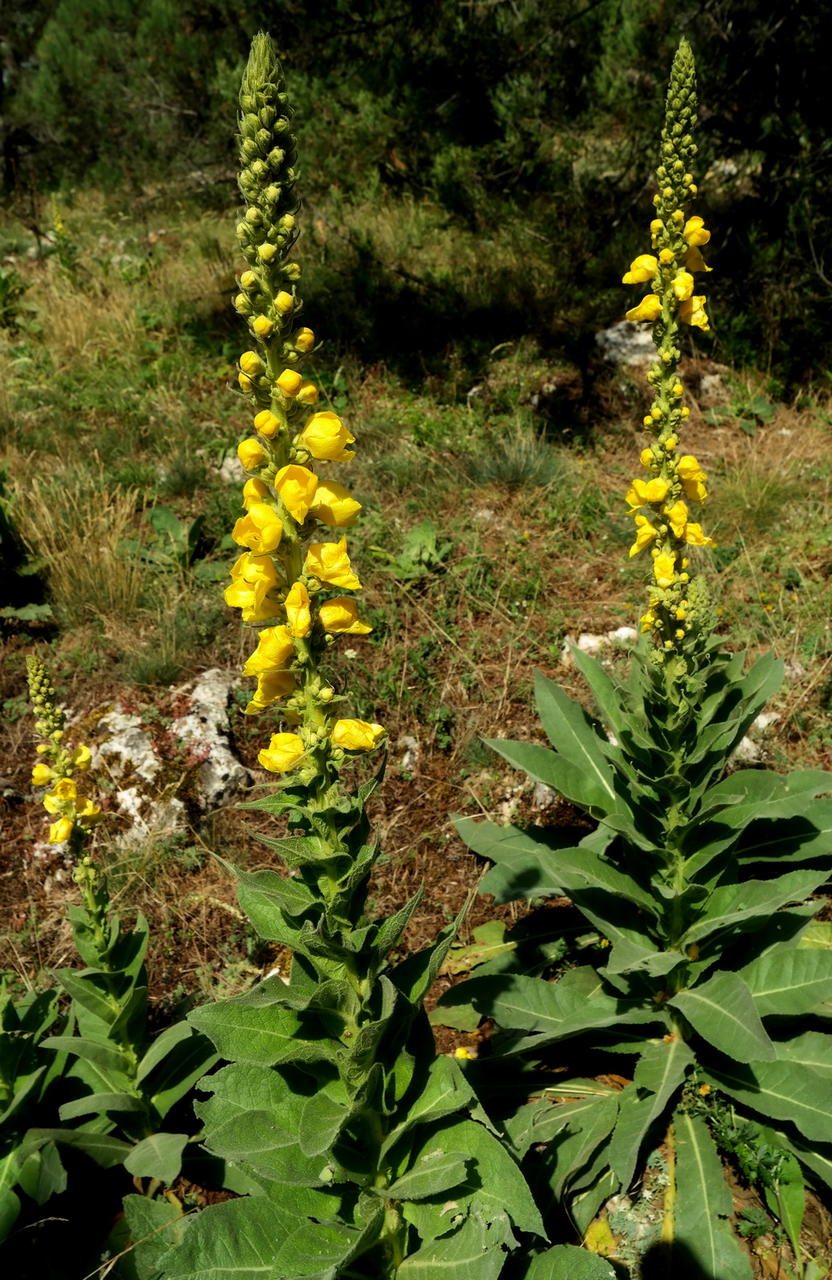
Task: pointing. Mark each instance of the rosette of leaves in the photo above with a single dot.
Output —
(698, 880)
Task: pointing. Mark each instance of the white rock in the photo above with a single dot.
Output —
(231, 470)
(412, 751)
(127, 749)
(626, 343)
(589, 643)
(711, 390)
(748, 752)
(204, 730)
(764, 719)
(623, 635)
(543, 797)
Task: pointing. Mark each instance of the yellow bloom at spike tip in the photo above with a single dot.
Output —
(329, 562)
(295, 486)
(644, 491)
(326, 438)
(297, 609)
(642, 269)
(334, 506)
(356, 735)
(274, 650)
(664, 568)
(693, 312)
(251, 453)
(60, 831)
(254, 490)
(284, 751)
(267, 423)
(677, 518)
(271, 686)
(695, 232)
(341, 616)
(645, 534)
(260, 530)
(650, 308)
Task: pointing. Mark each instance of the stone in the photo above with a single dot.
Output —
(626, 343)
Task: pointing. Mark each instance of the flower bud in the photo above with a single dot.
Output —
(251, 364)
(251, 453)
(304, 339)
(249, 281)
(290, 382)
(266, 423)
(263, 326)
(266, 251)
(284, 301)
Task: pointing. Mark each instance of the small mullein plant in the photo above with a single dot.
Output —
(706, 996)
(98, 1086)
(353, 1149)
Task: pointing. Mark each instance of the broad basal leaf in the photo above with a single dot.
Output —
(788, 983)
(782, 1090)
(703, 1236)
(476, 1248)
(722, 1011)
(659, 1074)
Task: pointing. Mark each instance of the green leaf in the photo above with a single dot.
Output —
(487, 941)
(787, 1199)
(584, 789)
(254, 1028)
(161, 1047)
(322, 1118)
(744, 904)
(88, 990)
(722, 1011)
(540, 1121)
(568, 1260)
(782, 1090)
(267, 897)
(703, 1236)
(9, 1211)
(158, 1156)
(445, 1091)
(99, 1103)
(475, 1249)
(258, 1238)
(813, 1049)
(431, 1175)
(574, 734)
(102, 1053)
(173, 1075)
(817, 935)
(389, 932)
(789, 983)
(415, 976)
(659, 1073)
(153, 1227)
(104, 1148)
(42, 1175)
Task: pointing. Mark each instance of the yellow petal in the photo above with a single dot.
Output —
(283, 752)
(298, 614)
(356, 735)
(650, 308)
(295, 486)
(341, 616)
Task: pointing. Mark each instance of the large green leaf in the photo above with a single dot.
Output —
(722, 1011)
(268, 899)
(435, 1173)
(744, 904)
(158, 1156)
(256, 1238)
(475, 1249)
(789, 982)
(813, 1049)
(703, 1236)
(103, 1053)
(99, 1104)
(659, 1073)
(582, 788)
(574, 734)
(445, 1091)
(151, 1229)
(568, 1262)
(104, 1148)
(782, 1090)
(42, 1174)
(9, 1211)
(255, 1028)
(541, 1120)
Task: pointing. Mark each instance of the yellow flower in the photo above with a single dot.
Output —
(645, 533)
(41, 774)
(692, 477)
(65, 791)
(89, 813)
(284, 302)
(262, 326)
(260, 530)
(308, 393)
(677, 518)
(329, 562)
(642, 268)
(647, 457)
(341, 615)
(249, 280)
(81, 757)
(325, 436)
(254, 490)
(643, 491)
(650, 308)
(252, 578)
(683, 285)
(695, 232)
(266, 423)
(304, 339)
(270, 686)
(694, 260)
(296, 605)
(664, 568)
(283, 752)
(251, 453)
(251, 364)
(693, 312)
(356, 735)
(296, 487)
(656, 228)
(648, 621)
(290, 382)
(266, 251)
(274, 649)
(60, 831)
(334, 506)
(696, 538)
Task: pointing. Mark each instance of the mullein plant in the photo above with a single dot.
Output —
(705, 994)
(116, 1087)
(355, 1150)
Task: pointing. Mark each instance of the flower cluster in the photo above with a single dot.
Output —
(281, 579)
(659, 504)
(73, 813)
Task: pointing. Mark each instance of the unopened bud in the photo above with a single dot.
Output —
(263, 326)
(284, 301)
(266, 251)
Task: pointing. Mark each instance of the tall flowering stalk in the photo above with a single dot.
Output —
(285, 576)
(58, 766)
(698, 877)
(679, 616)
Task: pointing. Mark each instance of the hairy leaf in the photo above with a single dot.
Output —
(722, 1011)
(703, 1237)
